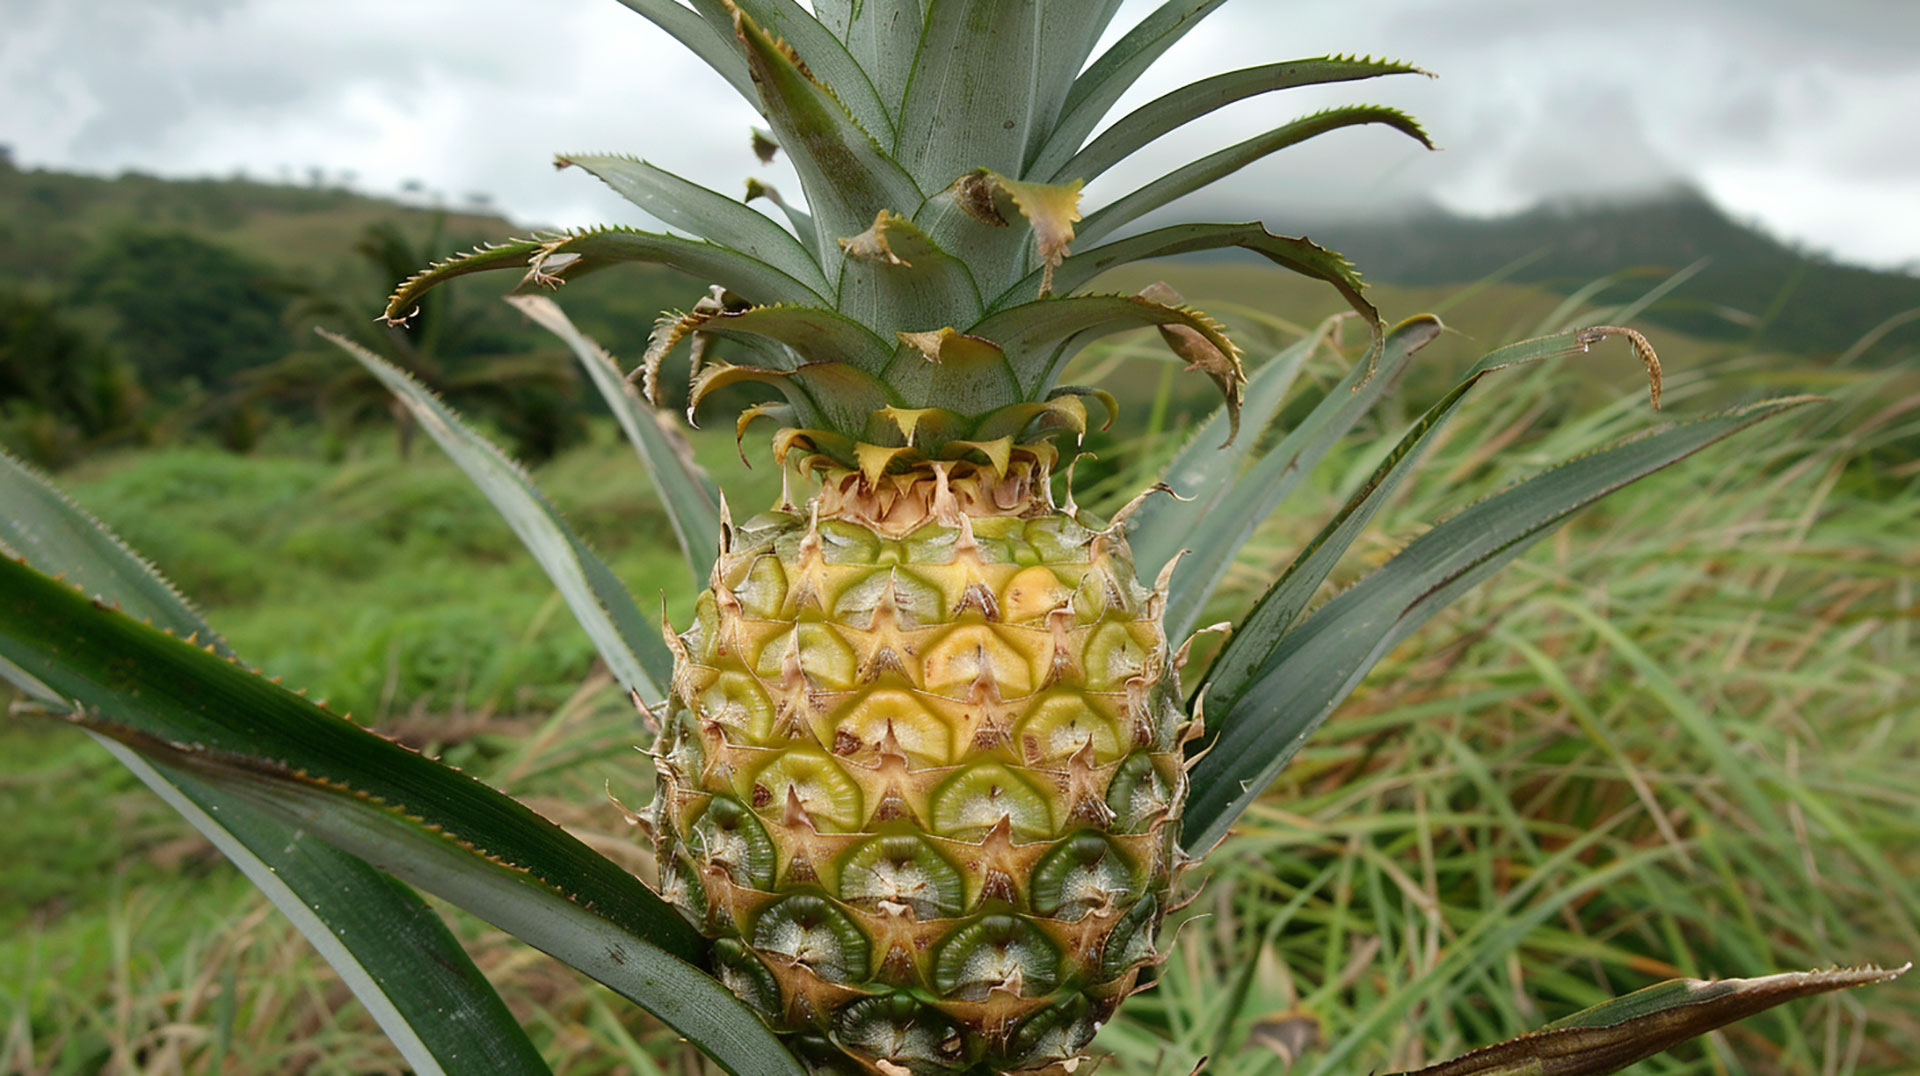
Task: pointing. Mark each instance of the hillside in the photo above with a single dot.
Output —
(1754, 288)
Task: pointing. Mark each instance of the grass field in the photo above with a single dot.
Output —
(1677, 738)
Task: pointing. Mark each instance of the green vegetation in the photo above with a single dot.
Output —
(1685, 734)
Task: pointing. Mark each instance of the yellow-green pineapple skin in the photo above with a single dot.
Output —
(922, 775)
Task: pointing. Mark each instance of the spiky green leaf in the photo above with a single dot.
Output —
(388, 947)
(1096, 89)
(714, 45)
(424, 822)
(1317, 664)
(683, 204)
(1626, 1030)
(827, 58)
(1217, 166)
(1258, 493)
(969, 102)
(690, 497)
(1176, 109)
(630, 646)
(1257, 632)
(554, 260)
(1040, 336)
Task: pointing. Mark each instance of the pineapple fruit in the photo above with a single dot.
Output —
(921, 772)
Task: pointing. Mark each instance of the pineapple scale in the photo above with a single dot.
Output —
(921, 776)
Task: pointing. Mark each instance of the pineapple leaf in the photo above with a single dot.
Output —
(882, 35)
(826, 57)
(814, 334)
(1268, 483)
(800, 219)
(691, 499)
(1259, 630)
(1299, 255)
(388, 947)
(1103, 83)
(895, 274)
(630, 646)
(847, 177)
(968, 375)
(1314, 667)
(829, 396)
(553, 260)
(712, 216)
(969, 101)
(189, 710)
(1203, 470)
(1216, 166)
(1040, 336)
(713, 44)
(46, 528)
(1176, 109)
(1629, 1029)
(1050, 209)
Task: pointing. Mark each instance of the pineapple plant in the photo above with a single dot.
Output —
(927, 779)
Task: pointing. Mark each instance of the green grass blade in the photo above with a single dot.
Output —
(681, 203)
(691, 499)
(1204, 469)
(1627, 1030)
(1316, 665)
(424, 822)
(388, 947)
(1269, 482)
(1176, 109)
(1259, 631)
(630, 646)
(1216, 166)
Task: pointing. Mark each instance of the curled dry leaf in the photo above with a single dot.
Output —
(1051, 210)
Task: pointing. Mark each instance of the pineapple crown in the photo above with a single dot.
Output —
(926, 301)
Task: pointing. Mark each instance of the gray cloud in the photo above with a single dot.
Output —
(1788, 111)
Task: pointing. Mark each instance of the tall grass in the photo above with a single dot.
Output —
(1678, 738)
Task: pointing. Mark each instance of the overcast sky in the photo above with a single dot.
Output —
(1800, 114)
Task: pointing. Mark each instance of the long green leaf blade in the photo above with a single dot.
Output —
(681, 203)
(388, 947)
(1175, 109)
(970, 98)
(1108, 78)
(691, 499)
(1317, 664)
(632, 649)
(1257, 633)
(826, 57)
(1204, 469)
(714, 47)
(1629, 1029)
(1272, 478)
(554, 260)
(1216, 166)
(401, 812)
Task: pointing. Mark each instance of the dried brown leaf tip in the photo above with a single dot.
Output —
(949, 345)
(1642, 349)
(872, 244)
(764, 146)
(1201, 353)
(1051, 210)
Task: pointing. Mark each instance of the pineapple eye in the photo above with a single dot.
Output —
(731, 837)
(743, 974)
(825, 658)
(1137, 794)
(899, 1028)
(1032, 594)
(680, 885)
(916, 730)
(1061, 726)
(1082, 874)
(825, 792)
(738, 702)
(1116, 654)
(902, 870)
(996, 951)
(813, 932)
(1056, 1032)
(971, 802)
(763, 593)
(1131, 940)
(969, 654)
